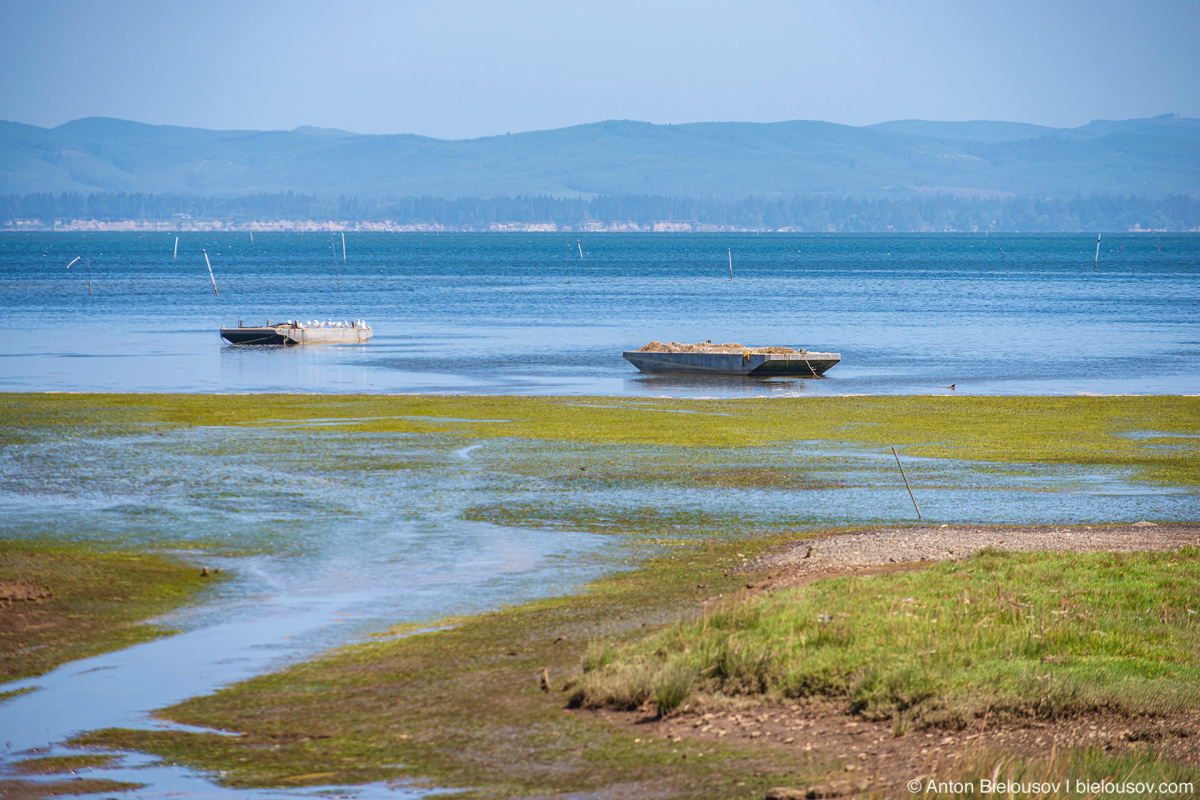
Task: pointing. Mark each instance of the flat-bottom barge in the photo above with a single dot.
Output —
(731, 359)
(291, 332)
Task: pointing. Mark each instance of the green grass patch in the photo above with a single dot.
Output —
(999, 635)
(83, 601)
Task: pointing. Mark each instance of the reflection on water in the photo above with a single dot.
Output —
(699, 385)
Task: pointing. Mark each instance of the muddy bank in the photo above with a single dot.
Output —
(866, 756)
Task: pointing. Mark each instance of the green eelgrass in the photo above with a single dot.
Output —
(1001, 635)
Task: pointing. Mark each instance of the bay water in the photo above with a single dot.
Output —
(341, 555)
(546, 313)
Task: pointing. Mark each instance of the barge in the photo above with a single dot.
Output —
(293, 332)
(731, 359)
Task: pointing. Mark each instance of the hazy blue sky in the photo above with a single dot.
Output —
(462, 69)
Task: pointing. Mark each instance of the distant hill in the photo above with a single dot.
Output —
(909, 158)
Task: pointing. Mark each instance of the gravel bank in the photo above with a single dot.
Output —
(868, 550)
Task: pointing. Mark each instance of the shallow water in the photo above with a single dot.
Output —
(162, 779)
(493, 313)
(345, 551)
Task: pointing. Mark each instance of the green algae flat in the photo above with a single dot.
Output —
(54, 765)
(94, 601)
(1056, 430)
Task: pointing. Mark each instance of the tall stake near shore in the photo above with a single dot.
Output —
(176, 254)
(1096, 263)
(333, 252)
(210, 274)
(731, 263)
(906, 486)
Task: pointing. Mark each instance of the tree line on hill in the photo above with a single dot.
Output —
(933, 212)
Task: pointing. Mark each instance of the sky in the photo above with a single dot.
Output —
(455, 69)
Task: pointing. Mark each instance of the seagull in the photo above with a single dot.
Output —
(951, 386)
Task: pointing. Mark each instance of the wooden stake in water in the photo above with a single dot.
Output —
(251, 237)
(1097, 261)
(343, 247)
(210, 274)
(89, 269)
(333, 252)
(906, 486)
(176, 249)
(580, 249)
(731, 263)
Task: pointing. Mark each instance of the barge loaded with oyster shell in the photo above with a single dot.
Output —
(730, 359)
(295, 332)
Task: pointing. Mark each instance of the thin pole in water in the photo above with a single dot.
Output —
(580, 249)
(731, 263)
(73, 261)
(210, 274)
(333, 252)
(1096, 263)
(343, 247)
(89, 269)
(906, 486)
(176, 249)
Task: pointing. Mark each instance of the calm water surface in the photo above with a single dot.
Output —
(343, 553)
(494, 313)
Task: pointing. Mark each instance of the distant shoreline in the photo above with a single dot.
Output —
(326, 226)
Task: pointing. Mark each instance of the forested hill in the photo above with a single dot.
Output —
(1150, 158)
